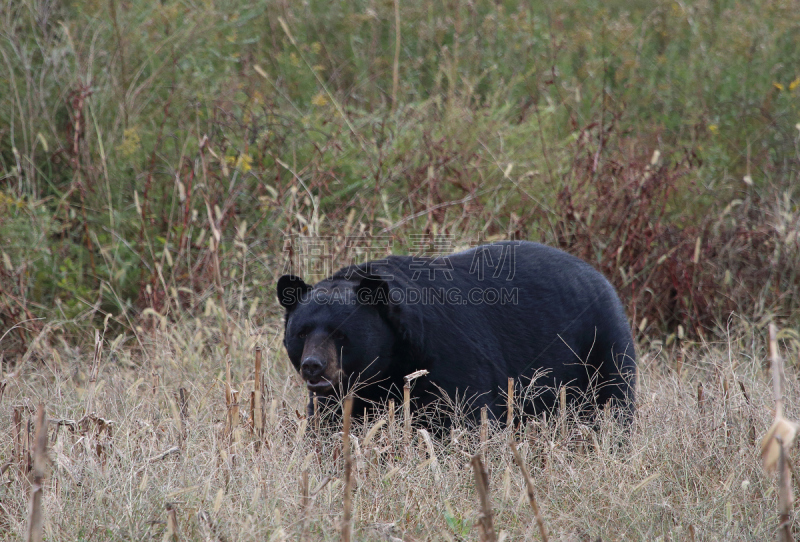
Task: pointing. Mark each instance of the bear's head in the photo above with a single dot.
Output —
(344, 334)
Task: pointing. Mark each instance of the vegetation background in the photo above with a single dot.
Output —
(156, 157)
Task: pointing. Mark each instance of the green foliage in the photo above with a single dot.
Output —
(127, 125)
(459, 525)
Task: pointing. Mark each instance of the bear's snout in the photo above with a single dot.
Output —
(312, 368)
(319, 366)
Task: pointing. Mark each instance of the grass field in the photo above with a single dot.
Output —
(160, 162)
(690, 469)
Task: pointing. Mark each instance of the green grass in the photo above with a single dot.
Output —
(482, 88)
(131, 132)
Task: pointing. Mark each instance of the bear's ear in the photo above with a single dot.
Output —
(404, 317)
(290, 290)
(373, 290)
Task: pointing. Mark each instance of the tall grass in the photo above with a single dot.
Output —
(160, 161)
(126, 128)
(144, 459)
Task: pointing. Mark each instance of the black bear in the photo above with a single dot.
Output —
(472, 320)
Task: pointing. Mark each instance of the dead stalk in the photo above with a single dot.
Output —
(510, 405)
(409, 378)
(701, 398)
(785, 496)
(484, 427)
(391, 419)
(16, 431)
(562, 399)
(305, 501)
(258, 414)
(317, 414)
(158, 457)
(273, 412)
(98, 342)
(407, 414)
(231, 402)
(529, 488)
(183, 400)
(777, 370)
(794, 473)
(253, 412)
(348, 468)
(171, 533)
(35, 530)
(482, 485)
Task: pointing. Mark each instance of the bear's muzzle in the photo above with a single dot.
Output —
(320, 365)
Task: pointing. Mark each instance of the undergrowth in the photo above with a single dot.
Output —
(153, 436)
(162, 163)
(657, 141)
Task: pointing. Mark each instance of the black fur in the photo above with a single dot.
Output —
(566, 327)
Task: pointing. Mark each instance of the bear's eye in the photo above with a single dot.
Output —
(337, 335)
(302, 334)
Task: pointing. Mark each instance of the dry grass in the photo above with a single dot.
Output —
(156, 165)
(655, 139)
(149, 464)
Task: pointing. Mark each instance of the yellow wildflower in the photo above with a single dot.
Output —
(131, 142)
(244, 163)
(320, 100)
